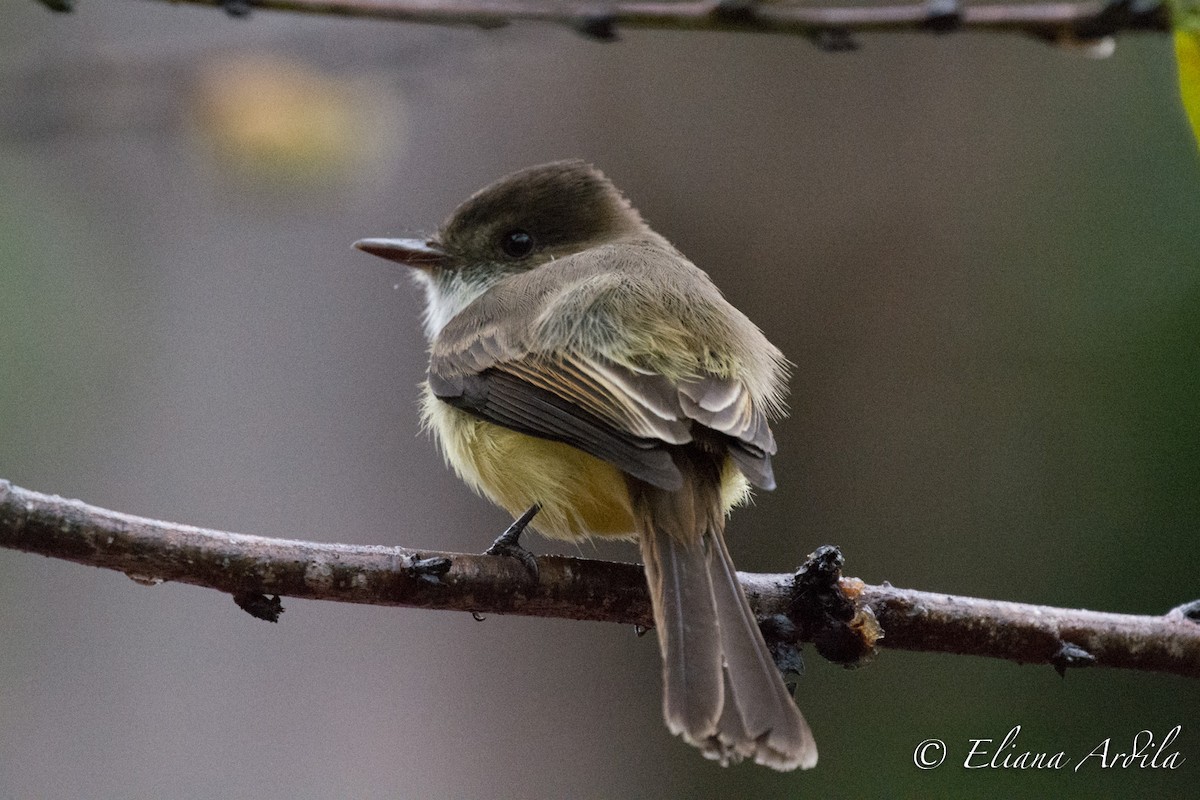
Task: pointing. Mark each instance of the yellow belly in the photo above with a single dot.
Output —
(580, 495)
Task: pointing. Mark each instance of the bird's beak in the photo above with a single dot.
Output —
(415, 253)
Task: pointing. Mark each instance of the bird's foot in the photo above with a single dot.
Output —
(509, 542)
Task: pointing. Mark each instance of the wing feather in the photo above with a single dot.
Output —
(606, 402)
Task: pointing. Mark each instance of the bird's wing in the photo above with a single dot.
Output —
(487, 363)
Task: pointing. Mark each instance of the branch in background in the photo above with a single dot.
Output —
(814, 604)
(830, 28)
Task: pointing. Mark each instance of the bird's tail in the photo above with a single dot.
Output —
(721, 689)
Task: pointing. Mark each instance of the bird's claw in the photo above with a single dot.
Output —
(509, 543)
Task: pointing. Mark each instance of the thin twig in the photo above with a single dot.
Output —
(151, 552)
(829, 26)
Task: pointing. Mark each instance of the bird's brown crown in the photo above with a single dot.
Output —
(549, 210)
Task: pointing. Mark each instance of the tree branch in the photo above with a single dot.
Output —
(815, 604)
(829, 27)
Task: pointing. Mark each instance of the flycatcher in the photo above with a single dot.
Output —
(584, 371)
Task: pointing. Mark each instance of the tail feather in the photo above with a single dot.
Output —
(721, 689)
(685, 618)
(779, 735)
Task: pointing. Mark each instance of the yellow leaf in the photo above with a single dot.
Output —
(1187, 52)
(1185, 20)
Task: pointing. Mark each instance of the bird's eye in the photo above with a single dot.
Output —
(516, 244)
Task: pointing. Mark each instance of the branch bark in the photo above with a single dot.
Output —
(829, 27)
(151, 551)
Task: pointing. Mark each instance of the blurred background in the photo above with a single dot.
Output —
(980, 252)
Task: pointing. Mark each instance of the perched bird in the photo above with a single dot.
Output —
(587, 377)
